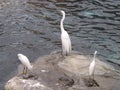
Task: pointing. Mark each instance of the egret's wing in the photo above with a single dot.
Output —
(25, 61)
(66, 42)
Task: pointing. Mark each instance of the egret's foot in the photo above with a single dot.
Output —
(90, 82)
(29, 76)
(25, 76)
(66, 81)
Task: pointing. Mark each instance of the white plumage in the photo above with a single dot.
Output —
(25, 61)
(65, 39)
(92, 66)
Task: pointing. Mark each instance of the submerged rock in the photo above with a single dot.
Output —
(55, 72)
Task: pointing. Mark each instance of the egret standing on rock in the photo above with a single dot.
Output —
(25, 61)
(92, 66)
(66, 42)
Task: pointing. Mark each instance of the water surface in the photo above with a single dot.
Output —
(32, 27)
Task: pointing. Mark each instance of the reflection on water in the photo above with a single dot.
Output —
(32, 27)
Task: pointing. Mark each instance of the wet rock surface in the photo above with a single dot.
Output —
(55, 72)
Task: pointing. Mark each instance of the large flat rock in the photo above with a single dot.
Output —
(55, 72)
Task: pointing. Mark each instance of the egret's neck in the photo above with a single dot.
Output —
(94, 57)
(61, 23)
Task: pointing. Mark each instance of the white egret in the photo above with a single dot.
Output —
(66, 42)
(92, 66)
(25, 61)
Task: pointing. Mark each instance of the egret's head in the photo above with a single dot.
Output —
(95, 52)
(19, 55)
(63, 12)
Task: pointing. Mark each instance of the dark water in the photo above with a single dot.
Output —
(32, 27)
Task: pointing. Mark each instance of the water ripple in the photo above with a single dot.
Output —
(33, 27)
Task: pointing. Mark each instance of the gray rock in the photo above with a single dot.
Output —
(55, 72)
